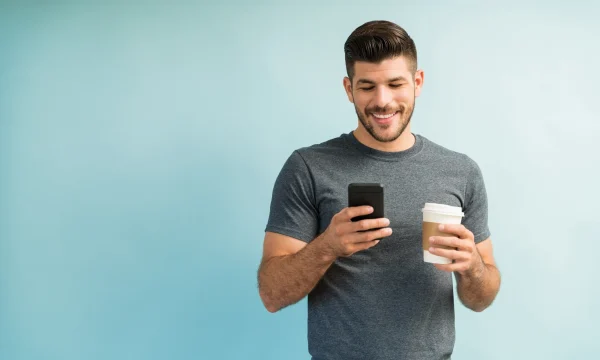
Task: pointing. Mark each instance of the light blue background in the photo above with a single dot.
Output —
(139, 146)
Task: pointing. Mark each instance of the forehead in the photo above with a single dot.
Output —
(388, 68)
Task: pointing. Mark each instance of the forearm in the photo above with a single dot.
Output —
(285, 280)
(478, 289)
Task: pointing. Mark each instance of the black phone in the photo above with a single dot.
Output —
(366, 194)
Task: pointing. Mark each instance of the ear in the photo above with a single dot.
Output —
(419, 78)
(348, 88)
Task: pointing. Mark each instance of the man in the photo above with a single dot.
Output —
(368, 298)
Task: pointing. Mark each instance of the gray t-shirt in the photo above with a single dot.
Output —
(384, 302)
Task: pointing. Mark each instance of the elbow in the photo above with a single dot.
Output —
(479, 308)
(268, 304)
(473, 306)
(271, 309)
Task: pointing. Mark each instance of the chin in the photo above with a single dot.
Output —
(388, 135)
(385, 136)
(388, 131)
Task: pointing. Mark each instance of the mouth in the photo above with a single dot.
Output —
(384, 119)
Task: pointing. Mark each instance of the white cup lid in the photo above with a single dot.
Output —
(443, 209)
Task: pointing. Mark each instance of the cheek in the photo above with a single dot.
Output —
(406, 99)
(360, 102)
(406, 95)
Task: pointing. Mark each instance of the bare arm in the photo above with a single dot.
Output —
(290, 268)
(478, 288)
(286, 279)
(477, 277)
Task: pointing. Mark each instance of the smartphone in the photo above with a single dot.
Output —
(366, 194)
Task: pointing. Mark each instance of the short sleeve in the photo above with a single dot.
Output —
(476, 204)
(293, 211)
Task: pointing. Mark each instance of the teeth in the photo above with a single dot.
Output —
(384, 116)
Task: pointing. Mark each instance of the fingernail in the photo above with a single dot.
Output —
(431, 240)
(386, 221)
(431, 249)
(388, 230)
(442, 227)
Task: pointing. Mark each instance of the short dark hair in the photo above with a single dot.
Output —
(376, 41)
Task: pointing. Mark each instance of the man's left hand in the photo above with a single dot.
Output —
(467, 260)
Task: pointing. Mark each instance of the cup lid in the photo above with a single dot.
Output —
(443, 209)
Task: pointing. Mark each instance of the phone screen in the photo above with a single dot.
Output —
(366, 194)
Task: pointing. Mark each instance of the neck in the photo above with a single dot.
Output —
(403, 142)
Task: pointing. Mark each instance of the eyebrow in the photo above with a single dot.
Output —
(367, 81)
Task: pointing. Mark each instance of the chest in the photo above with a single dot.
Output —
(405, 193)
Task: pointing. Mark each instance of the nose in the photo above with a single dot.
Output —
(383, 96)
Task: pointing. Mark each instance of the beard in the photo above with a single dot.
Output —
(404, 112)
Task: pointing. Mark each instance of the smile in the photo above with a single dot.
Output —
(383, 116)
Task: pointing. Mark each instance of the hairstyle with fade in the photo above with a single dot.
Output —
(376, 41)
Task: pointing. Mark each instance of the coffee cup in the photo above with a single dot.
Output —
(433, 216)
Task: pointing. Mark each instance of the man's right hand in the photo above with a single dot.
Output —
(343, 237)
(291, 268)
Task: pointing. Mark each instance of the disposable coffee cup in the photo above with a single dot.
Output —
(433, 216)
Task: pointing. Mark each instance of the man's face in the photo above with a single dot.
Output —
(384, 96)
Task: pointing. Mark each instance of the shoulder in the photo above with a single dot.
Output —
(305, 158)
(449, 157)
(331, 147)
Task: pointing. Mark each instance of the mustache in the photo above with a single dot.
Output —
(385, 109)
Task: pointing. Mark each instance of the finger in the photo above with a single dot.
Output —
(370, 235)
(446, 267)
(451, 267)
(457, 229)
(351, 212)
(450, 241)
(450, 254)
(363, 245)
(369, 224)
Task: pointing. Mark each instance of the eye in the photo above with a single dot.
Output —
(368, 88)
(395, 85)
